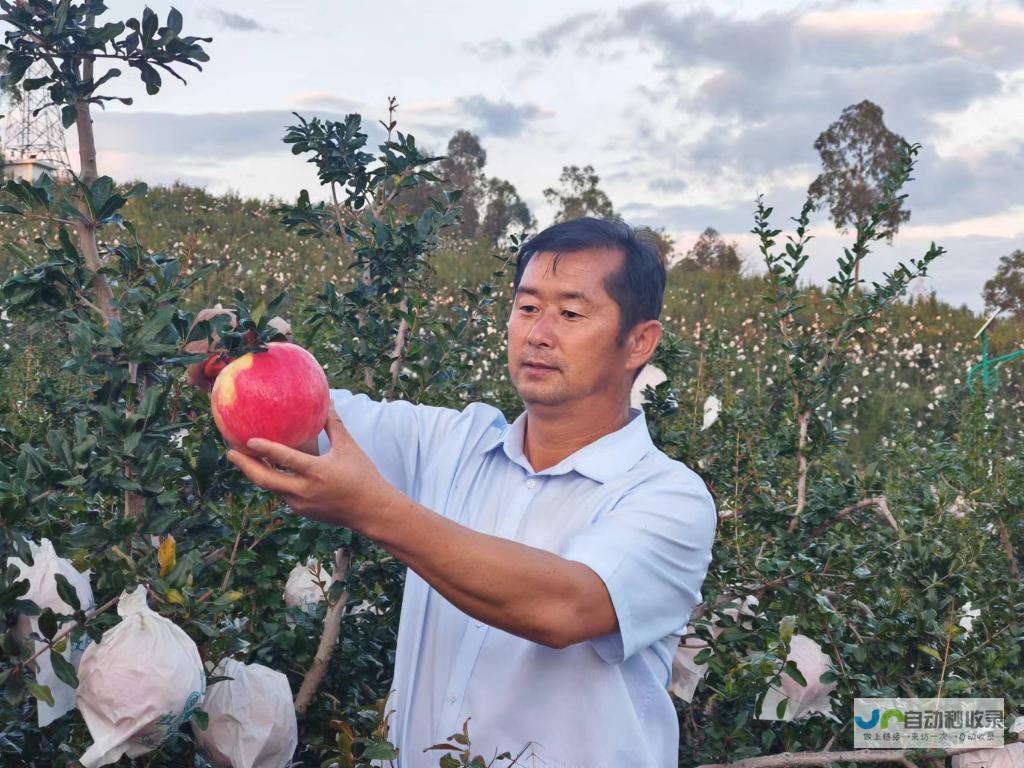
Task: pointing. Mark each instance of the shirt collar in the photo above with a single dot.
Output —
(602, 460)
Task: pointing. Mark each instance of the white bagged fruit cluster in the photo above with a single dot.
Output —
(251, 718)
(42, 591)
(303, 587)
(139, 684)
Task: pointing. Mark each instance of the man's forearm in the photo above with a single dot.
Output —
(523, 590)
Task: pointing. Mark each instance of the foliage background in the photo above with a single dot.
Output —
(95, 412)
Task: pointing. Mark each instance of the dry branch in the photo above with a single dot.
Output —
(879, 502)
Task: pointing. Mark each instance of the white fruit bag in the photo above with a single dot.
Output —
(252, 719)
(43, 592)
(303, 588)
(686, 672)
(802, 701)
(138, 684)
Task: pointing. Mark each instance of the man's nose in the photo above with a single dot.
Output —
(542, 330)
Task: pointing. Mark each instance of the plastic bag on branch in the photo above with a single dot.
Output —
(252, 718)
(303, 587)
(686, 672)
(803, 701)
(43, 592)
(139, 684)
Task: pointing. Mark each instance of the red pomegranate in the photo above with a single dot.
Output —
(280, 394)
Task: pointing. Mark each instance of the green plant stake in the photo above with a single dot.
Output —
(989, 381)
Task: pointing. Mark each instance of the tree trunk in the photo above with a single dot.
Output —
(134, 505)
(87, 231)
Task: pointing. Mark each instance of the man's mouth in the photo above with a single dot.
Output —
(537, 370)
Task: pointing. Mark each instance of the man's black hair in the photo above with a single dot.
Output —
(638, 286)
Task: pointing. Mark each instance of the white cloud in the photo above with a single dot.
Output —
(325, 99)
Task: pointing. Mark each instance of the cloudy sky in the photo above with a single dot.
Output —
(687, 110)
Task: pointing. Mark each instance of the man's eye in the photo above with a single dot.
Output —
(566, 311)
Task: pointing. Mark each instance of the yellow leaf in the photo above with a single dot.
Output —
(61, 646)
(232, 596)
(166, 555)
(174, 596)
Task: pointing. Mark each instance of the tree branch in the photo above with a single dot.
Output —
(1004, 538)
(332, 628)
(876, 501)
(801, 479)
(65, 632)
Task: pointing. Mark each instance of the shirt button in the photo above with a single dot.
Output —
(531, 483)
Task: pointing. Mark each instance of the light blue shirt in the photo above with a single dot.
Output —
(643, 522)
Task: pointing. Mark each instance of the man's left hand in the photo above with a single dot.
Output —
(343, 486)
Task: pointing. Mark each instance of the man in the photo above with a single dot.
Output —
(554, 562)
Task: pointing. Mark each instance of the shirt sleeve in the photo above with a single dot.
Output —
(652, 551)
(402, 438)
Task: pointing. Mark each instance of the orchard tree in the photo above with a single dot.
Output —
(462, 168)
(504, 211)
(816, 363)
(489, 208)
(661, 240)
(857, 152)
(1005, 289)
(578, 195)
(66, 38)
(711, 253)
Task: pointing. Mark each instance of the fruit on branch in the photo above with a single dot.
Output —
(214, 365)
(251, 718)
(138, 684)
(279, 394)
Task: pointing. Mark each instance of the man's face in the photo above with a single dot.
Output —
(573, 334)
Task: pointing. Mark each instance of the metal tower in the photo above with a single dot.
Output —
(34, 143)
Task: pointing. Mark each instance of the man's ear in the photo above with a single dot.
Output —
(644, 339)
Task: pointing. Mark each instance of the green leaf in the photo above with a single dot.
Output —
(174, 21)
(379, 750)
(703, 655)
(201, 718)
(41, 692)
(149, 76)
(207, 463)
(67, 592)
(64, 669)
(794, 671)
(780, 708)
(48, 623)
(930, 651)
(786, 628)
(100, 192)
